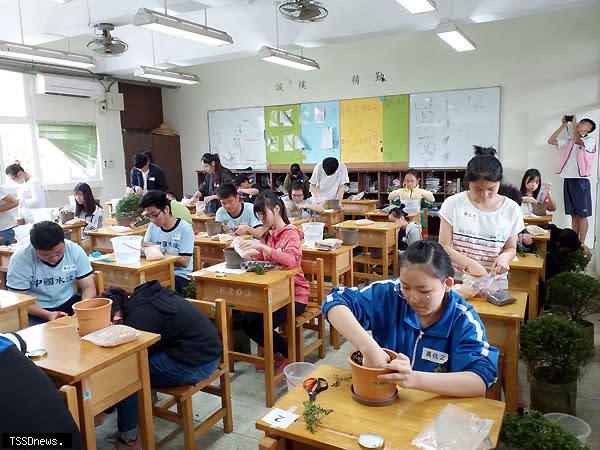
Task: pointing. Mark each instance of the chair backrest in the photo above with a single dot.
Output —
(314, 274)
(69, 395)
(98, 281)
(197, 261)
(216, 311)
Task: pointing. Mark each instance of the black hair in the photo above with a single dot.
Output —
(241, 178)
(412, 172)
(567, 240)
(140, 160)
(297, 185)
(148, 154)
(155, 198)
(296, 172)
(510, 191)
(591, 122)
(330, 165)
(398, 212)
(118, 296)
(431, 256)
(531, 174)
(226, 190)
(89, 203)
(46, 235)
(209, 158)
(268, 200)
(484, 166)
(14, 169)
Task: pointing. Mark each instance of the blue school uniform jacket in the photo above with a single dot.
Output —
(457, 342)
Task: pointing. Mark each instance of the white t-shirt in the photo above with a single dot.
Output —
(31, 196)
(570, 170)
(328, 184)
(178, 240)
(7, 220)
(246, 217)
(477, 234)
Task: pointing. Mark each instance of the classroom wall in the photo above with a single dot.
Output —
(55, 108)
(546, 65)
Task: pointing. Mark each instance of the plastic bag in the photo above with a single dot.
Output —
(455, 428)
(112, 336)
(153, 252)
(247, 253)
(488, 286)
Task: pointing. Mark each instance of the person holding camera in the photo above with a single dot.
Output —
(575, 167)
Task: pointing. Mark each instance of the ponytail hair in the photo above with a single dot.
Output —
(210, 158)
(484, 166)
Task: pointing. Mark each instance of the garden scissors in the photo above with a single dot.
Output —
(315, 385)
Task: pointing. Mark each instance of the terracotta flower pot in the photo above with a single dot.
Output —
(232, 259)
(124, 221)
(214, 228)
(366, 386)
(92, 314)
(65, 216)
(349, 236)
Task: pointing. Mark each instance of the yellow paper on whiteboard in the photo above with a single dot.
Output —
(361, 125)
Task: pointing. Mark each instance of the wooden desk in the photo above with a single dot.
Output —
(211, 250)
(263, 294)
(379, 235)
(502, 324)
(100, 239)
(524, 275)
(330, 217)
(103, 376)
(199, 222)
(13, 310)
(76, 231)
(536, 220)
(6, 252)
(398, 423)
(337, 264)
(130, 276)
(358, 207)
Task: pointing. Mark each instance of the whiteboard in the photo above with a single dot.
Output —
(238, 136)
(445, 125)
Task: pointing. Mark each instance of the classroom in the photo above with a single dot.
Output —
(531, 67)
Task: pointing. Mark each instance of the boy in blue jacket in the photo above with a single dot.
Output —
(440, 339)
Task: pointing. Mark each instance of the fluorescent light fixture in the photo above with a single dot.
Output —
(165, 75)
(284, 58)
(418, 6)
(179, 27)
(454, 37)
(44, 55)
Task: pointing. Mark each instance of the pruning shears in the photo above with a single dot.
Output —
(315, 385)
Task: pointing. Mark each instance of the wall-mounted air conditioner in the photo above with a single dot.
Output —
(69, 86)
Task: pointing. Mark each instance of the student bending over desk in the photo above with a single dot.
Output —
(440, 339)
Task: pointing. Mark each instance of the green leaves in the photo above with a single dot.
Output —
(312, 415)
(573, 294)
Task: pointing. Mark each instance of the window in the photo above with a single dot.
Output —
(13, 95)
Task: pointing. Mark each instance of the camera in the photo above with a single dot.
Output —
(569, 118)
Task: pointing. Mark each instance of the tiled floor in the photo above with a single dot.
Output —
(249, 404)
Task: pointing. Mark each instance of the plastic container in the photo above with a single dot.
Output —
(199, 208)
(575, 425)
(313, 231)
(92, 314)
(296, 373)
(127, 248)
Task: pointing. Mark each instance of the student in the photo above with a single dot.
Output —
(409, 231)
(280, 244)
(525, 242)
(412, 191)
(146, 176)
(49, 268)
(236, 215)
(7, 220)
(87, 207)
(328, 179)
(296, 200)
(178, 210)
(296, 174)
(479, 227)
(417, 315)
(530, 188)
(29, 402)
(215, 176)
(30, 194)
(245, 189)
(175, 236)
(189, 349)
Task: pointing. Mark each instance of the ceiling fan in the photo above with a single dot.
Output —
(106, 44)
(303, 10)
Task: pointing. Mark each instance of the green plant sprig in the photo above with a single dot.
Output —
(339, 379)
(312, 415)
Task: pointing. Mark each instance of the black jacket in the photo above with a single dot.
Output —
(186, 334)
(209, 187)
(156, 178)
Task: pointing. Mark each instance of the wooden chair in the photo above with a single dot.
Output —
(182, 395)
(69, 395)
(197, 260)
(312, 318)
(98, 281)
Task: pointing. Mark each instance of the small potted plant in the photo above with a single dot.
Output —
(575, 295)
(532, 431)
(556, 350)
(128, 210)
(366, 387)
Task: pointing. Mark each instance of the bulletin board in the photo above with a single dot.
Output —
(320, 131)
(283, 140)
(361, 125)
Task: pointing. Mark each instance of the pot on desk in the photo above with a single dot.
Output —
(367, 389)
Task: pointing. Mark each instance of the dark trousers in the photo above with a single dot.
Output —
(253, 326)
(66, 307)
(180, 283)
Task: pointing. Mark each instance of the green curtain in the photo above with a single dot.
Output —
(79, 143)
